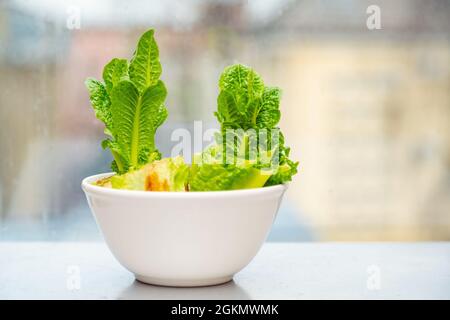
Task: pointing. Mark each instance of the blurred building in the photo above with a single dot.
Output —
(367, 113)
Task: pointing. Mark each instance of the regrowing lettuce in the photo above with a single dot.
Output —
(248, 112)
(248, 152)
(130, 102)
(244, 102)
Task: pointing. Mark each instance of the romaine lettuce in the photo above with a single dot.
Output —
(248, 112)
(130, 102)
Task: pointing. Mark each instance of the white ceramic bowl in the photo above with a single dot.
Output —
(183, 238)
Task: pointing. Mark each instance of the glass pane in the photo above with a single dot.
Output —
(365, 106)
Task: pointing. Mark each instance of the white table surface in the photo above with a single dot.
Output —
(48, 270)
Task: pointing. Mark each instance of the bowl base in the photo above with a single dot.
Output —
(183, 282)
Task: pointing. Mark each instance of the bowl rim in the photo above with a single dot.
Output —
(89, 188)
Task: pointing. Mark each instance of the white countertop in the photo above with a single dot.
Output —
(81, 270)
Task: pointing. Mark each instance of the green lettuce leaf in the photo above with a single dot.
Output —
(227, 111)
(119, 163)
(216, 177)
(113, 72)
(242, 83)
(239, 100)
(100, 101)
(145, 68)
(286, 169)
(136, 118)
(269, 114)
(130, 103)
(244, 102)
